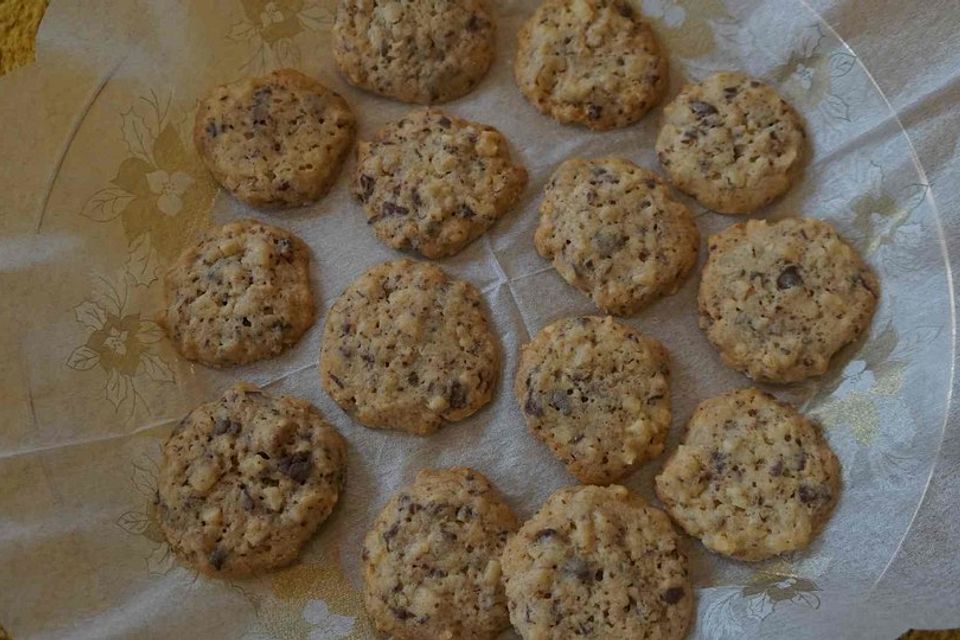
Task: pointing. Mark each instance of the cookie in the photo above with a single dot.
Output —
(732, 143)
(597, 562)
(752, 479)
(275, 141)
(422, 51)
(613, 231)
(406, 347)
(597, 392)
(246, 480)
(590, 62)
(240, 294)
(433, 183)
(431, 560)
(779, 299)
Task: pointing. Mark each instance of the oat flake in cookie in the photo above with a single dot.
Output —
(275, 141)
(779, 299)
(591, 62)
(246, 480)
(612, 230)
(433, 183)
(406, 347)
(422, 51)
(597, 562)
(597, 392)
(732, 143)
(752, 479)
(241, 294)
(431, 560)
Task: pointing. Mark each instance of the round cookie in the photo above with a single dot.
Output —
(779, 299)
(275, 141)
(590, 62)
(597, 562)
(431, 560)
(422, 51)
(597, 392)
(752, 479)
(406, 347)
(246, 480)
(732, 143)
(613, 231)
(433, 183)
(241, 294)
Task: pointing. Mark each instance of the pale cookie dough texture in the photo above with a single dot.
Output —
(275, 141)
(600, 563)
(432, 183)
(431, 560)
(732, 143)
(422, 51)
(612, 230)
(591, 62)
(406, 347)
(597, 392)
(779, 299)
(246, 480)
(240, 294)
(752, 479)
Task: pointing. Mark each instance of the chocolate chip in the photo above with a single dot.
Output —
(415, 197)
(532, 406)
(473, 24)
(225, 425)
(543, 534)
(777, 468)
(217, 557)
(413, 379)
(391, 209)
(730, 92)
(336, 380)
(246, 500)
(673, 595)
(444, 122)
(211, 129)
(284, 247)
(391, 533)
(702, 109)
(608, 243)
(594, 111)
(789, 278)
(401, 613)
(624, 9)
(560, 401)
(457, 395)
(366, 186)
(718, 460)
(466, 212)
(297, 466)
(807, 494)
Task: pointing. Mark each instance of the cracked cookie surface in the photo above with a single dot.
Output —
(406, 347)
(240, 294)
(433, 183)
(591, 62)
(246, 480)
(423, 51)
(732, 143)
(274, 141)
(431, 559)
(597, 392)
(613, 231)
(752, 478)
(779, 299)
(597, 562)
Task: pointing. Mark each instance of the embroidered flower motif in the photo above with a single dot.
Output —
(272, 26)
(170, 188)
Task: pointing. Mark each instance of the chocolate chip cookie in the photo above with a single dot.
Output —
(241, 294)
(432, 183)
(779, 299)
(591, 62)
(275, 141)
(752, 479)
(613, 231)
(423, 51)
(406, 347)
(431, 560)
(597, 562)
(597, 392)
(732, 143)
(246, 480)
